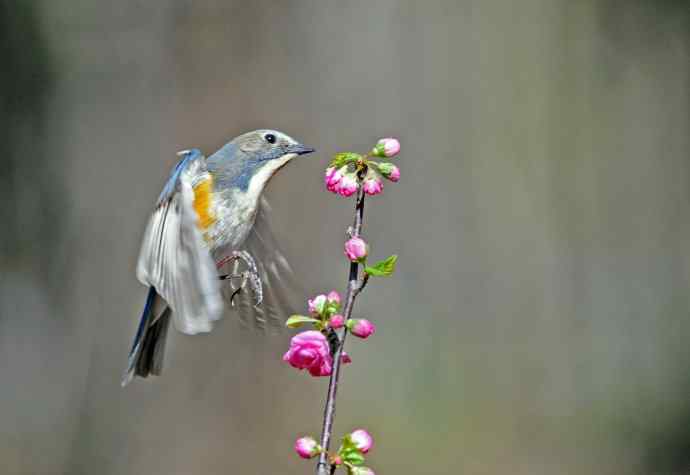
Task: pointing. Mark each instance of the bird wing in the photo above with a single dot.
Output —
(281, 289)
(174, 257)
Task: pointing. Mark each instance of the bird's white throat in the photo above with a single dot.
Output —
(258, 181)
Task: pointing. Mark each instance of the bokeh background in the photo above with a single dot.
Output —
(539, 320)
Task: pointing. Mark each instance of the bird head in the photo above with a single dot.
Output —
(247, 162)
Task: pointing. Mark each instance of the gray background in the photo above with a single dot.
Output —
(539, 320)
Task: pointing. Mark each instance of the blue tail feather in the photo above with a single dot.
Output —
(148, 309)
(144, 323)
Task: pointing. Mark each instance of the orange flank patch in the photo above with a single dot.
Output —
(202, 203)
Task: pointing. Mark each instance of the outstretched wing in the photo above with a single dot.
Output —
(174, 257)
(281, 290)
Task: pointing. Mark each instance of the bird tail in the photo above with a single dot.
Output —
(148, 348)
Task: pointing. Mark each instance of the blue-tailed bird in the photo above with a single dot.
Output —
(209, 214)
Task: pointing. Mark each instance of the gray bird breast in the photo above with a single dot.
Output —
(235, 212)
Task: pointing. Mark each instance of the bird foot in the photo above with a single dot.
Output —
(248, 277)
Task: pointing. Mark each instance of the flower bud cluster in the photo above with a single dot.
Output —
(350, 454)
(348, 171)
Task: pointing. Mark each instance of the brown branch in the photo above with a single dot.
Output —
(354, 286)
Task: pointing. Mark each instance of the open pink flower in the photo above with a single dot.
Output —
(309, 350)
(361, 327)
(388, 147)
(362, 440)
(307, 447)
(356, 249)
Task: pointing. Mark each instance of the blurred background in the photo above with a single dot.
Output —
(538, 323)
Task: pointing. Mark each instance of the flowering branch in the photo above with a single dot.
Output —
(322, 352)
(354, 287)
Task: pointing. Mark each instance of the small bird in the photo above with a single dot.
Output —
(208, 211)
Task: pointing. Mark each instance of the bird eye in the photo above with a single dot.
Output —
(270, 138)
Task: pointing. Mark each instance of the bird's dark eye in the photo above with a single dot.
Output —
(270, 138)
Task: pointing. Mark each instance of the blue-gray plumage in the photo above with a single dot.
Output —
(202, 219)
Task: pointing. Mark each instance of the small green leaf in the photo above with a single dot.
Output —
(352, 456)
(296, 321)
(382, 268)
(344, 158)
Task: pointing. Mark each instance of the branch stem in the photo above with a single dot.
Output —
(353, 288)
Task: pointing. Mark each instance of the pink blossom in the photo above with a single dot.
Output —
(372, 185)
(336, 321)
(356, 249)
(307, 447)
(310, 350)
(337, 460)
(317, 305)
(345, 358)
(348, 185)
(388, 147)
(362, 440)
(361, 327)
(333, 297)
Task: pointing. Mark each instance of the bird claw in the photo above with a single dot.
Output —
(250, 276)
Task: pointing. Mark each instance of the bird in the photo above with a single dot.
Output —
(210, 213)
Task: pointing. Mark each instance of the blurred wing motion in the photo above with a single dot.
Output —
(174, 258)
(281, 291)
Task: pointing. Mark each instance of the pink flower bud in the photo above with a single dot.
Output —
(372, 185)
(361, 327)
(389, 171)
(356, 249)
(361, 471)
(348, 185)
(310, 350)
(307, 447)
(362, 440)
(333, 297)
(336, 321)
(332, 178)
(388, 147)
(337, 460)
(395, 174)
(317, 305)
(345, 358)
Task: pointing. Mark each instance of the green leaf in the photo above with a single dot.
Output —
(352, 456)
(344, 158)
(296, 321)
(383, 268)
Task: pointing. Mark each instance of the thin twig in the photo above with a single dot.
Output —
(353, 288)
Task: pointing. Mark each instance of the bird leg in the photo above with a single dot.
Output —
(250, 276)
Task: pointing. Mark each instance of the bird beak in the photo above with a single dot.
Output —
(299, 149)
